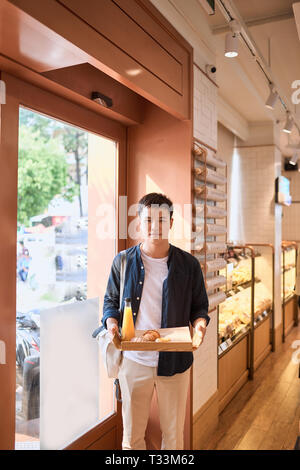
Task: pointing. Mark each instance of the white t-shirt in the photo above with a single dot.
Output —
(150, 310)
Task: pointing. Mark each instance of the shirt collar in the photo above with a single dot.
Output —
(171, 249)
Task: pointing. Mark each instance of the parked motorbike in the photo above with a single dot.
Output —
(28, 361)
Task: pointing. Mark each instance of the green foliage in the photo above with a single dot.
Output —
(45, 146)
(42, 173)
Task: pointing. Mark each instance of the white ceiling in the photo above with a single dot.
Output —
(284, 43)
(241, 83)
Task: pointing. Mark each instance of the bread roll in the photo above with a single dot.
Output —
(149, 335)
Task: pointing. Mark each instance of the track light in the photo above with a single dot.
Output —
(288, 123)
(271, 101)
(231, 45)
(231, 40)
(294, 158)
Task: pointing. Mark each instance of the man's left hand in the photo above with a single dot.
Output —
(200, 330)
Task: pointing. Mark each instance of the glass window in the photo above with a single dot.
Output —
(66, 240)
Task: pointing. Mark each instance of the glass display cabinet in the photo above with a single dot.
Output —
(246, 316)
(288, 285)
(264, 325)
(235, 323)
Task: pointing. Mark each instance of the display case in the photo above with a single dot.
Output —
(264, 325)
(246, 318)
(235, 311)
(288, 284)
(235, 323)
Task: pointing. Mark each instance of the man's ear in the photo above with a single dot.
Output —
(171, 222)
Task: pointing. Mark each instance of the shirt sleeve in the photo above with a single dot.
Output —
(112, 294)
(199, 306)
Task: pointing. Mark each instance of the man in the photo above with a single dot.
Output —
(23, 265)
(167, 289)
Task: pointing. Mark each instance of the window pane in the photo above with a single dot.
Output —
(66, 199)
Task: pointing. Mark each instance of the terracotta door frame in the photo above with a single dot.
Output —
(19, 93)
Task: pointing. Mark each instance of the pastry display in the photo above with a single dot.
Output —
(263, 299)
(235, 311)
(241, 274)
(288, 271)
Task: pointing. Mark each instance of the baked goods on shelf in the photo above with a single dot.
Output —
(235, 311)
(241, 274)
(263, 299)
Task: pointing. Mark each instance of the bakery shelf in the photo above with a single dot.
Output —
(202, 156)
(212, 230)
(210, 212)
(212, 194)
(209, 176)
(211, 247)
(215, 299)
(215, 282)
(262, 317)
(215, 230)
(229, 343)
(214, 265)
(214, 212)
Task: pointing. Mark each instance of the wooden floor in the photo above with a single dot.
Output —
(265, 413)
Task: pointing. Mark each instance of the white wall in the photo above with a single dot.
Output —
(205, 109)
(291, 215)
(181, 14)
(205, 370)
(253, 216)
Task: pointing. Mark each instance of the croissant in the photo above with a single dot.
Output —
(149, 335)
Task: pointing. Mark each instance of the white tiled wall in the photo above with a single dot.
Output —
(206, 366)
(252, 182)
(291, 215)
(253, 215)
(205, 109)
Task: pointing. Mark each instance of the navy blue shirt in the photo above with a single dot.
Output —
(184, 298)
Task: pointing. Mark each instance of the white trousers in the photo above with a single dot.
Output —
(137, 384)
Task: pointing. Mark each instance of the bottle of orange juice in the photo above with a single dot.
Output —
(127, 325)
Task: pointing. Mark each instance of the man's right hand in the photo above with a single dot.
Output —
(112, 327)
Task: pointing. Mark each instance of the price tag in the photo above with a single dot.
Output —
(228, 342)
(220, 350)
(223, 346)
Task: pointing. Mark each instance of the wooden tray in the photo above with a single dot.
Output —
(180, 340)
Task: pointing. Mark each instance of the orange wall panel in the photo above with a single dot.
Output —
(159, 160)
(9, 124)
(150, 58)
(22, 93)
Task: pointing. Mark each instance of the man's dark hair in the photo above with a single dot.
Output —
(155, 198)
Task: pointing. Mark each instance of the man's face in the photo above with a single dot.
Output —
(155, 222)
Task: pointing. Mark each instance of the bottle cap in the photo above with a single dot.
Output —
(127, 299)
